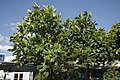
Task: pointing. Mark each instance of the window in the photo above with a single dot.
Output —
(16, 76)
(21, 77)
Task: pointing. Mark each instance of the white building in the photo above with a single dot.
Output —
(9, 71)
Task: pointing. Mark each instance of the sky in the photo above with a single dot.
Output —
(105, 12)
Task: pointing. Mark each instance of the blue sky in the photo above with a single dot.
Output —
(105, 12)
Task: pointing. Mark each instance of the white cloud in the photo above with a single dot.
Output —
(12, 24)
(9, 58)
(5, 48)
(1, 37)
(4, 40)
(14, 28)
(4, 43)
(8, 24)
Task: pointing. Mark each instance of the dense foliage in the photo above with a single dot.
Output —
(59, 49)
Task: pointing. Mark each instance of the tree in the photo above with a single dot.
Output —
(115, 27)
(37, 43)
(91, 47)
(60, 49)
(110, 73)
(115, 31)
